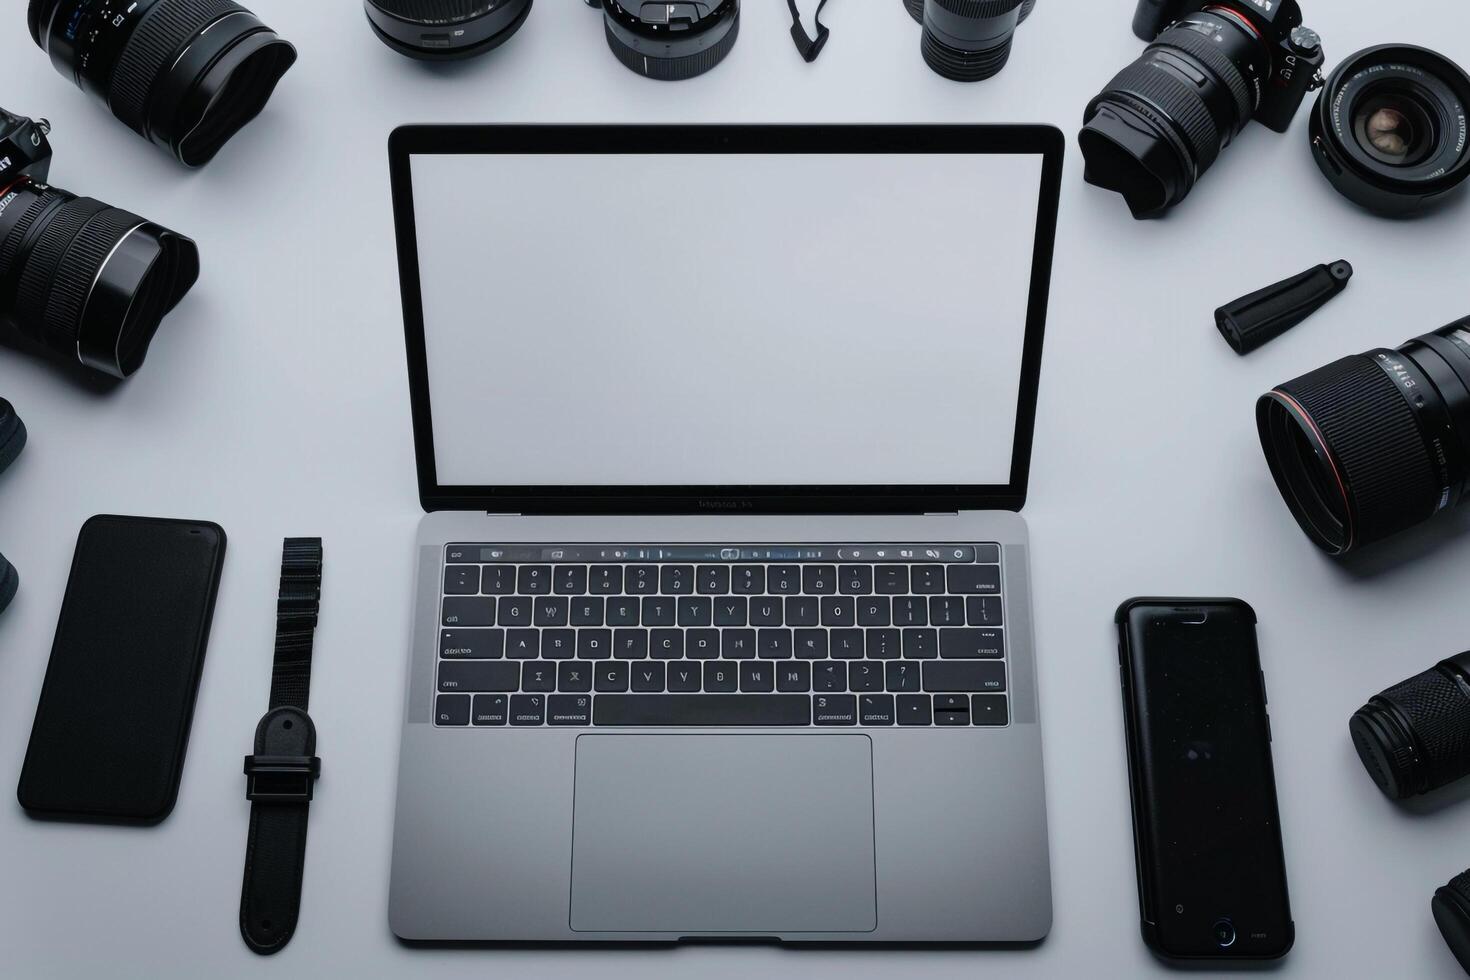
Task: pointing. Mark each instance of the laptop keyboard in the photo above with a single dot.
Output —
(710, 636)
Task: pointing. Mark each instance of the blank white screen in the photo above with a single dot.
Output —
(773, 320)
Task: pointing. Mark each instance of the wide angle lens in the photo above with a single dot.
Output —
(87, 281)
(1163, 121)
(671, 41)
(1373, 444)
(444, 30)
(187, 75)
(969, 40)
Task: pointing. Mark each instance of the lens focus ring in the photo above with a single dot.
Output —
(154, 45)
(1439, 713)
(1208, 53)
(1176, 100)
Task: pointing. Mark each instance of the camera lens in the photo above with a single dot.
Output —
(969, 40)
(1162, 122)
(1451, 908)
(88, 282)
(1373, 444)
(186, 75)
(443, 30)
(12, 441)
(1389, 130)
(916, 9)
(671, 41)
(1224, 933)
(1415, 736)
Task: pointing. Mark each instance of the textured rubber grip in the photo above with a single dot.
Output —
(1438, 711)
(1208, 53)
(966, 66)
(46, 271)
(1178, 101)
(978, 9)
(78, 271)
(153, 47)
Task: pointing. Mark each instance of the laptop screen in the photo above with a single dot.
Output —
(718, 320)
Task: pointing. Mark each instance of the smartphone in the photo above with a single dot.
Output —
(1206, 830)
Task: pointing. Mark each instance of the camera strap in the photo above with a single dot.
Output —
(805, 44)
(281, 774)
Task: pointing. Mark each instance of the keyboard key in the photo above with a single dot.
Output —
(980, 579)
(594, 644)
(865, 675)
(757, 677)
(622, 612)
(855, 579)
(469, 611)
(702, 644)
(648, 677)
(920, 644)
(666, 644)
(928, 580)
(498, 580)
(951, 709)
(702, 710)
(695, 611)
(946, 610)
(765, 611)
(915, 709)
(721, 677)
(848, 644)
(471, 644)
(569, 709)
(802, 611)
(522, 644)
(527, 709)
(829, 675)
(910, 610)
(611, 677)
(569, 580)
(884, 644)
(738, 644)
(574, 676)
(795, 676)
(641, 580)
(874, 611)
(551, 611)
(988, 554)
(901, 677)
(559, 644)
(514, 611)
(839, 610)
(811, 644)
(490, 709)
(537, 676)
(462, 580)
(605, 580)
(684, 676)
(834, 709)
(983, 610)
(658, 611)
(891, 580)
(452, 709)
(775, 644)
(875, 709)
(479, 675)
(971, 643)
(748, 580)
(964, 675)
(819, 579)
(731, 610)
(712, 579)
(534, 580)
(783, 579)
(677, 580)
(630, 644)
(588, 611)
(989, 709)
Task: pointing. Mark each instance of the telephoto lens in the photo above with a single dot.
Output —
(670, 41)
(86, 281)
(1373, 444)
(12, 441)
(1389, 130)
(1415, 736)
(445, 30)
(186, 75)
(970, 40)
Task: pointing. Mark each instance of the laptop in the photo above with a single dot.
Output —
(722, 618)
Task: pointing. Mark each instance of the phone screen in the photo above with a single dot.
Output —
(1211, 862)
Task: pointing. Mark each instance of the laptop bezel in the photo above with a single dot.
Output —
(1034, 140)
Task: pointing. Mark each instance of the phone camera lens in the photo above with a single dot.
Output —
(1224, 933)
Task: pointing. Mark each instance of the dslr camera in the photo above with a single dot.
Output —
(1210, 68)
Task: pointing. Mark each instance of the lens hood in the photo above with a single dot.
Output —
(1389, 130)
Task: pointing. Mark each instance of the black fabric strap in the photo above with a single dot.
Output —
(808, 47)
(282, 772)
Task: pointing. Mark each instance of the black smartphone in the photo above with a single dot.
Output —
(1206, 830)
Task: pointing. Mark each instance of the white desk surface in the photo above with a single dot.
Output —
(275, 402)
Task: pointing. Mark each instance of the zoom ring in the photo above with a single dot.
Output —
(45, 272)
(1176, 100)
(79, 268)
(10, 248)
(1373, 436)
(1207, 53)
(1439, 714)
(153, 47)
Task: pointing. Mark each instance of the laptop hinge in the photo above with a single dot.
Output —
(491, 513)
(942, 513)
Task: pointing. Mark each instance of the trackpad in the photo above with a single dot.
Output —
(705, 834)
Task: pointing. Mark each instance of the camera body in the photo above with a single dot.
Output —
(1295, 50)
(24, 151)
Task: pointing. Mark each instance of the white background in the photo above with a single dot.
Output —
(275, 402)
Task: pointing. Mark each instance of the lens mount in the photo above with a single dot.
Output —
(1389, 130)
(445, 30)
(674, 41)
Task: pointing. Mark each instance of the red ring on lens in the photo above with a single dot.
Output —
(1300, 414)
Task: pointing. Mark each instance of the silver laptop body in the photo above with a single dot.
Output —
(798, 364)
